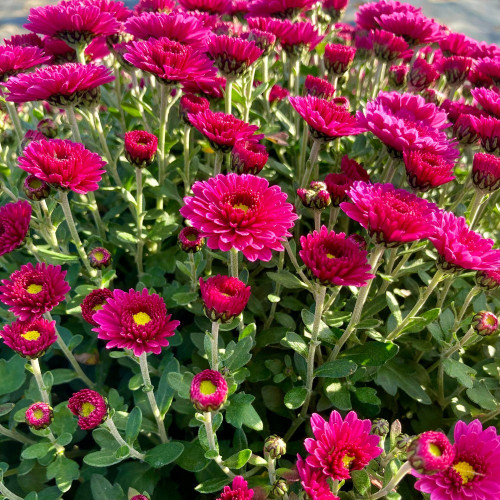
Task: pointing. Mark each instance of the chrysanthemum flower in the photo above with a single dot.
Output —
(64, 164)
(24, 40)
(316, 196)
(488, 280)
(140, 147)
(398, 75)
(459, 247)
(277, 94)
(475, 471)
(212, 87)
(488, 99)
(35, 189)
(340, 446)
(319, 87)
(238, 491)
(426, 170)
(422, 74)
(486, 172)
(338, 58)
(277, 27)
(430, 452)
(456, 69)
(464, 130)
(30, 339)
(62, 53)
(314, 481)
(14, 225)
(263, 39)
(490, 66)
(353, 169)
(139, 497)
(387, 46)
(458, 108)
(456, 44)
(391, 216)
(16, 59)
(334, 8)
(326, 119)
(190, 239)
(338, 186)
(191, 103)
(367, 15)
(135, 320)
(94, 302)
(157, 6)
(70, 84)
(90, 407)
(335, 260)
(208, 390)
(484, 323)
(47, 127)
(223, 297)
(248, 157)
(99, 258)
(34, 290)
(39, 416)
(488, 130)
(209, 6)
(300, 38)
(242, 212)
(287, 9)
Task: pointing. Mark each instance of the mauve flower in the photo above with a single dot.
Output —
(456, 44)
(318, 87)
(213, 87)
(484, 323)
(486, 172)
(430, 452)
(140, 147)
(14, 225)
(388, 46)
(489, 100)
(300, 37)
(456, 69)
(475, 471)
(24, 40)
(279, 8)
(90, 407)
(314, 481)
(209, 6)
(135, 320)
(34, 290)
(398, 75)
(238, 491)
(459, 247)
(326, 119)
(391, 216)
(278, 93)
(191, 103)
(157, 6)
(490, 67)
(488, 279)
(426, 170)
(263, 39)
(277, 27)
(242, 212)
(208, 390)
(94, 302)
(30, 339)
(64, 164)
(488, 129)
(340, 446)
(316, 196)
(39, 416)
(422, 74)
(63, 85)
(223, 297)
(338, 58)
(36, 189)
(248, 157)
(17, 59)
(335, 260)
(190, 239)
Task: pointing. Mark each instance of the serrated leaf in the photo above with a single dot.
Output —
(241, 354)
(238, 460)
(164, 454)
(460, 371)
(295, 397)
(336, 369)
(339, 395)
(368, 395)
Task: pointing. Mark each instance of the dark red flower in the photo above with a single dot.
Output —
(426, 170)
(338, 58)
(488, 130)
(39, 416)
(140, 147)
(299, 38)
(422, 74)
(319, 87)
(191, 103)
(14, 225)
(398, 74)
(248, 157)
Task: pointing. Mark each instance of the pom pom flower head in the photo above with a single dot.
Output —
(94, 302)
(430, 452)
(314, 482)
(90, 407)
(135, 320)
(99, 258)
(14, 225)
(140, 147)
(208, 390)
(39, 416)
(485, 323)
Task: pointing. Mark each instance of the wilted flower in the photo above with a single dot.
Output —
(39, 416)
(140, 147)
(430, 452)
(94, 302)
(90, 407)
(208, 390)
(485, 323)
(14, 225)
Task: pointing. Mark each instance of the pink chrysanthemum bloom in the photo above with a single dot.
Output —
(398, 75)
(459, 247)
(139, 497)
(464, 130)
(426, 170)
(486, 172)
(456, 109)
(475, 471)
(191, 103)
(223, 297)
(159, 6)
(391, 216)
(338, 58)
(319, 87)
(191, 240)
(39, 416)
(248, 157)
(70, 84)
(140, 147)
(222, 130)
(17, 59)
(90, 407)
(340, 446)
(30, 339)
(387, 46)
(430, 452)
(277, 94)
(335, 260)
(242, 212)
(326, 119)
(212, 87)
(238, 491)
(62, 53)
(367, 15)
(334, 8)
(490, 67)
(484, 323)
(277, 27)
(264, 40)
(34, 290)
(479, 79)
(316, 196)
(287, 9)
(422, 74)
(456, 69)
(488, 130)
(314, 482)
(35, 189)
(14, 225)
(75, 22)
(171, 62)
(456, 44)
(338, 186)
(135, 320)
(64, 164)
(489, 279)
(353, 169)
(300, 38)
(94, 302)
(24, 40)
(209, 6)
(208, 390)
(488, 99)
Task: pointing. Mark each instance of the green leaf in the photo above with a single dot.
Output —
(37, 450)
(184, 298)
(212, 485)
(55, 258)
(12, 374)
(64, 439)
(325, 333)
(394, 307)
(241, 354)
(104, 490)
(336, 369)
(241, 412)
(287, 279)
(361, 480)
(192, 457)
(295, 342)
(123, 452)
(181, 383)
(417, 324)
(368, 395)
(165, 394)
(134, 423)
(371, 353)
(482, 396)
(250, 329)
(460, 371)
(64, 471)
(6, 408)
(339, 395)
(238, 460)
(103, 458)
(295, 397)
(164, 454)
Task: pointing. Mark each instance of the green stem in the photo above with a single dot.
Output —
(104, 146)
(94, 210)
(14, 117)
(70, 113)
(219, 156)
(396, 479)
(472, 293)
(234, 262)
(474, 207)
(444, 292)
(7, 493)
(214, 364)
(50, 230)
(228, 97)
(137, 93)
(118, 93)
(334, 213)
(248, 96)
(317, 220)
(16, 436)
(277, 290)
(37, 372)
(211, 443)
(271, 469)
(293, 259)
(303, 150)
(161, 140)
(334, 294)
(114, 431)
(186, 138)
(194, 282)
(140, 219)
(80, 53)
(313, 158)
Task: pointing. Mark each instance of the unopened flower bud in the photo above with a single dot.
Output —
(274, 446)
(430, 452)
(190, 240)
(380, 427)
(99, 258)
(316, 196)
(35, 189)
(464, 131)
(47, 127)
(39, 416)
(398, 75)
(485, 323)
(279, 489)
(486, 172)
(403, 441)
(488, 280)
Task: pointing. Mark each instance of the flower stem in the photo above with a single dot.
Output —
(396, 479)
(137, 93)
(271, 469)
(303, 150)
(148, 389)
(194, 283)
(219, 156)
(334, 213)
(7, 493)
(50, 230)
(248, 96)
(118, 93)
(140, 219)
(16, 436)
(474, 207)
(317, 220)
(187, 161)
(80, 53)
(296, 264)
(37, 372)
(70, 113)
(214, 364)
(277, 291)
(212, 445)
(234, 262)
(228, 96)
(313, 158)
(14, 117)
(114, 431)
(472, 293)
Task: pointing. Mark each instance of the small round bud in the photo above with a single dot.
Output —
(39, 416)
(140, 147)
(316, 196)
(192, 104)
(485, 323)
(403, 441)
(275, 447)
(190, 240)
(488, 280)
(35, 189)
(279, 489)
(208, 390)
(99, 258)
(430, 452)
(47, 127)
(380, 427)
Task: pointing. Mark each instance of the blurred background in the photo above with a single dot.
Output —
(479, 19)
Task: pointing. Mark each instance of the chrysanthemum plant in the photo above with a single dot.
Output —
(248, 252)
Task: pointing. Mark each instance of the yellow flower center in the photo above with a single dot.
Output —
(191, 237)
(98, 255)
(142, 318)
(207, 388)
(98, 307)
(38, 414)
(35, 183)
(465, 470)
(435, 450)
(31, 335)
(34, 289)
(346, 461)
(87, 409)
(240, 206)
(330, 256)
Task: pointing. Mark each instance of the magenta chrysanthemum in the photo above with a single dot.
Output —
(277, 94)
(488, 279)
(300, 38)
(430, 452)
(238, 491)
(211, 86)
(263, 39)
(248, 157)
(70, 84)
(16, 59)
(65, 164)
(422, 74)
(486, 172)
(34, 290)
(367, 15)
(475, 471)
(191, 103)
(30, 339)
(191, 240)
(90, 407)
(415, 28)
(488, 99)
(210, 6)
(488, 130)
(242, 212)
(340, 446)
(156, 6)
(427, 170)
(277, 27)
(279, 8)
(338, 58)
(391, 216)
(99, 258)
(484, 323)
(208, 390)
(35, 189)
(139, 497)
(456, 44)
(14, 225)
(490, 66)
(140, 147)
(388, 46)
(24, 40)
(338, 186)
(459, 247)
(335, 260)
(94, 302)
(39, 416)
(398, 75)
(223, 297)
(456, 69)
(318, 87)
(316, 196)
(314, 481)
(353, 170)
